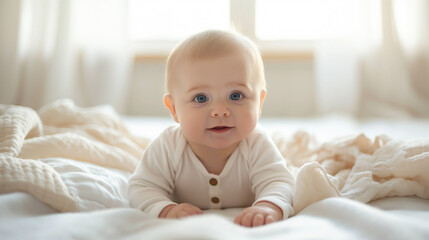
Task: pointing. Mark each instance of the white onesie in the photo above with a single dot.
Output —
(169, 172)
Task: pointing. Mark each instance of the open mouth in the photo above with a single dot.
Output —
(220, 129)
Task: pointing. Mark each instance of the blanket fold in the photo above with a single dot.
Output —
(60, 130)
(39, 179)
(355, 167)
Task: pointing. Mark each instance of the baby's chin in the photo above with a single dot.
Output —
(222, 145)
(218, 144)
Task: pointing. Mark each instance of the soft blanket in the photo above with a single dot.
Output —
(354, 167)
(63, 130)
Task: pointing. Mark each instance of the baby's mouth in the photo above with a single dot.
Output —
(220, 129)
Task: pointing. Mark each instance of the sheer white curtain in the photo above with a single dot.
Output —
(52, 49)
(383, 68)
(395, 75)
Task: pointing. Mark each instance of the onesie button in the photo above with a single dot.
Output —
(215, 200)
(213, 182)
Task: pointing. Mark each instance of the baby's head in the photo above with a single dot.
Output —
(215, 88)
(211, 44)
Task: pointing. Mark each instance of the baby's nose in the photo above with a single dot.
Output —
(220, 110)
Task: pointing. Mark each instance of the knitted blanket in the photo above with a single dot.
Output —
(60, 130)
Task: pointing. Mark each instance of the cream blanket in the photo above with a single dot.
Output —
(352, 167)
(355, 167)
(60, 130)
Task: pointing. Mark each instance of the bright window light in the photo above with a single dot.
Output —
(305, 19)
(408, 22)
(152, 20)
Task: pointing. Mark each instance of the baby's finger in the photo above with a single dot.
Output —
(247, 220)
(258, 220)
(182, 214)
(192, 210)
(269, 219)
(197, 210)
(238, 219)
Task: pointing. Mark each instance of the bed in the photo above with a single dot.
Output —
(64, 171)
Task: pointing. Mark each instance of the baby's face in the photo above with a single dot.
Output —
(216, 101)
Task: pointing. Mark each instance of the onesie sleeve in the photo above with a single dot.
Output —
(151, 185)
(271, 180)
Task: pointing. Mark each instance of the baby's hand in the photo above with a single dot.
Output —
(179, 211)
(260, 214)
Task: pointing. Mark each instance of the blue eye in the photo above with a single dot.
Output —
(201, 98)
(236, 96)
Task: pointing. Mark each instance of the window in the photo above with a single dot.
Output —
(151, 20)
(305, 19)
(272, 24)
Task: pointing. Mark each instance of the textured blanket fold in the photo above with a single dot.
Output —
(61, 130)
(353, 167)
(34, 177)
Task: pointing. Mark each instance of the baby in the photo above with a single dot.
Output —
(214, 158)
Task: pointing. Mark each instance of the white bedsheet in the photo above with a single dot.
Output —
(104, 213)
(24, 217)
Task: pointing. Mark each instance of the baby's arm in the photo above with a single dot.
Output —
(179, 211)
(151, 185)
(259, 214)
(272, 184)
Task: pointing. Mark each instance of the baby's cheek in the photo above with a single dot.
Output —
(191, 125)
(248, 121)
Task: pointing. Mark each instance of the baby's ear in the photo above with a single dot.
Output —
(169, 103)
(261, 100)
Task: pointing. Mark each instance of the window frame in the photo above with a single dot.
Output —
(243, 19)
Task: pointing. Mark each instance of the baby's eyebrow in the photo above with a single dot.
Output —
(240, 84)
(197, 87)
